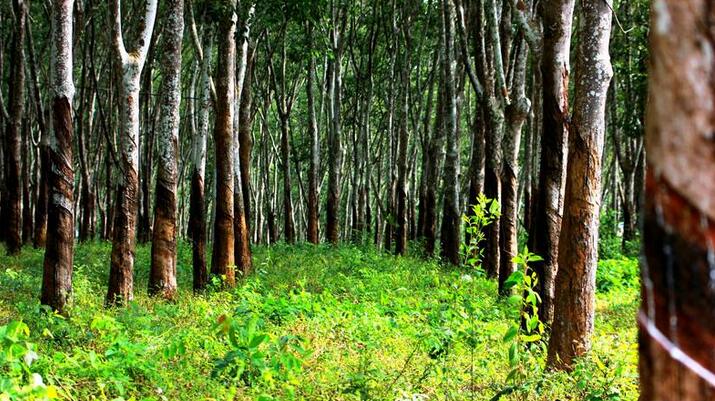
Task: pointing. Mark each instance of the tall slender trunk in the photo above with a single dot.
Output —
(403, 140)
(314, 169)
(451, 214)
(16, 108)
(197, 204)
(130, 64)
(57, 268)
(222, 259)
(40, 230)
(544, 238)
(516, 114)
(241, 157)
(335, 155)
(574, 303)
(162, 276)
(27, 226)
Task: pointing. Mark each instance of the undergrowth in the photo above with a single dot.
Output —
(312, 323)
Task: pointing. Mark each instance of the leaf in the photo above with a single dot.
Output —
(513, 354)
(530, 338)
(511, 333)
(257, 340)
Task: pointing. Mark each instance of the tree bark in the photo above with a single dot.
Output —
(197, 203)
(516, 114)
(130, 64)
(314, 169)
(162, 276)
(451, 215)
(335, 151)
(16, 109)
(676, 323)
(574, 303)
(544, 238)
(57, 268)
(222, 259)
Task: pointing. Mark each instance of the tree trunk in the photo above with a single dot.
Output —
(27, 226)
(335, 155)
(516, 115)
(574, 303)
(57, 268)
(314, 169)
(16, 107)
(676, 319)
(162, 276)
(222, 259)
(197, 203)
(451, 215)
(544, 239)
(130, 64)
(39, 237)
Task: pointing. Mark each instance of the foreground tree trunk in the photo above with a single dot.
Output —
(676, 317)
(222, 259)
(162, 277)
(57, 268)
(557, 18)
(451, 215)
(575, 297)
(12, 207)
(130, 64)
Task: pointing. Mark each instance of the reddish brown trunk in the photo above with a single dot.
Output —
(40, 237)
(222, 259)
(676, 322)
(544, 239)
(57, 272)
(575, 296)
(197, 229)
(121, 272)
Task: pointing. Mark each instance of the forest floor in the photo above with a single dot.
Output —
(311, 323)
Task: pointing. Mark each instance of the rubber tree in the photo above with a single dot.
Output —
(12, 196)
(676, 320)
(222, 258)
(162, 276)
(557, 16)
(57, 267)
(129, 65)
(575, 296)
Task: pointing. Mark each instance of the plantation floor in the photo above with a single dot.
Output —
(372, 327)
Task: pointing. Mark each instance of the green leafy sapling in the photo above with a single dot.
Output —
(484, 212)
(526, 331)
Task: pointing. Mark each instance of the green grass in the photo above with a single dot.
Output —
(367, 327)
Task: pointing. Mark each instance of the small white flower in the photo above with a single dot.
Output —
(37, 380)
(466, 277)
(30, 357)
